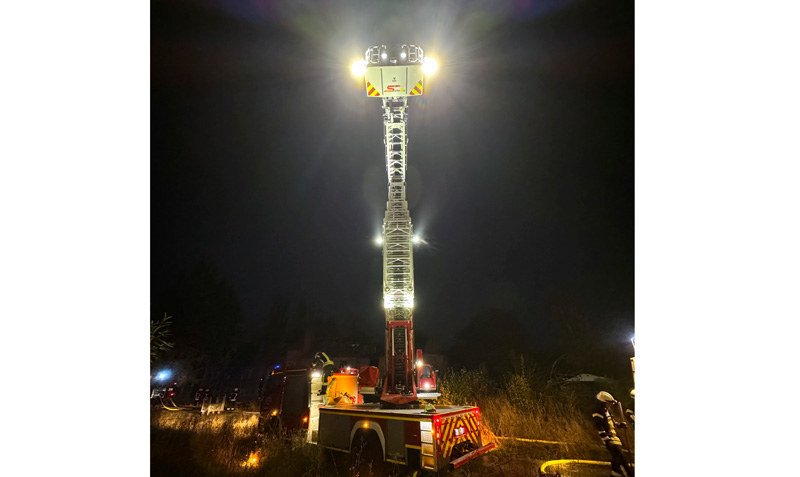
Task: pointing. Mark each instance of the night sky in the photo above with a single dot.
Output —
(267, 157)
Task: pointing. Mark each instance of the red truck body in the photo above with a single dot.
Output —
(446, 437)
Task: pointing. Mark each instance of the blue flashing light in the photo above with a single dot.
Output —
(163, 375)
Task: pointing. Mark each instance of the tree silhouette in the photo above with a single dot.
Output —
(159, 330)
(493, 338)
(207, 318)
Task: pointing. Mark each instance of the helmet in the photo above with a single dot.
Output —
(605, 397)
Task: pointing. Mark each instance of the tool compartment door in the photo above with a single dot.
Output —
(334, 431)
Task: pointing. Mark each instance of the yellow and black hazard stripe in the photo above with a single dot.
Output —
(449, 438)
(371, 91)
(417, 89)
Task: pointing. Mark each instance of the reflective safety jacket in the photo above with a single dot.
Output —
(604, 424)
(322, 359)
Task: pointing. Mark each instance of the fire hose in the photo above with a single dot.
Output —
(543, 468)
(170, 408)
(537, 441)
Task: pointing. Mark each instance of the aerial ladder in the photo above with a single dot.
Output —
(335, 416)
(394, 74)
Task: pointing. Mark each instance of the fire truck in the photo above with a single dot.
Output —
(332, 412)
(402, 427)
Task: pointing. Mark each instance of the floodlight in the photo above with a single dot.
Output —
(429, 66)
(359, 68)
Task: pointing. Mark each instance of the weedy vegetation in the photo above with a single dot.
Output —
(529, 417)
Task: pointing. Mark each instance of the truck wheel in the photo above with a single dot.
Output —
(366, 456)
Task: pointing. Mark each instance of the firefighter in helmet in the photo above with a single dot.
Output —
(232, 397)
(198, 396)
(321, 360)
(630, 413)
(606, 428)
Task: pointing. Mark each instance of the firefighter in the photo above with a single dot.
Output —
(198, 396)
(605, 425)
(322, 360)
(630, 413)
(232, 399)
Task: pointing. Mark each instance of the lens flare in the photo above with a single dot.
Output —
(430, 65)
(359, 68)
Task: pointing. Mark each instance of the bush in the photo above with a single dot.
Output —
(464, 387)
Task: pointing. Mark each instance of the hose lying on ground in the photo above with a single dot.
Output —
(547, 464)
(170, 408)
(543, 468)
(537, 441)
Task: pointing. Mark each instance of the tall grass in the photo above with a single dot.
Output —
(522, 404)
(183, 443)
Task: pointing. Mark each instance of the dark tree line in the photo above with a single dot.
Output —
(212, 343)
(214, 346)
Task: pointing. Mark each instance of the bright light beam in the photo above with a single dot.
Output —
(359, 68)
(429, 66)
